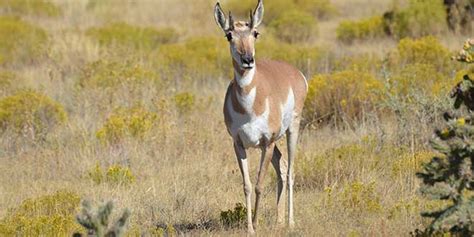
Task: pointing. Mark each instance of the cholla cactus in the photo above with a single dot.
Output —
(96, 221)
(451, 176)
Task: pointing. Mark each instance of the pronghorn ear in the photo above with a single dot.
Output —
(257, 15)
(220, 17)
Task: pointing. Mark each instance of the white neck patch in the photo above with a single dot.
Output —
(246, 79)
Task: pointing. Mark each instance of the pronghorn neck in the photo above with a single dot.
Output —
(243, 77)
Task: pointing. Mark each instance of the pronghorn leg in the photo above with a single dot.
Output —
(267, 153)
(244, 169)
(292, 138)
(280, 166)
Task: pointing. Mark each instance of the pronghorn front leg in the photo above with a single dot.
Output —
(267, 153)
(244, 169)
(292, 139)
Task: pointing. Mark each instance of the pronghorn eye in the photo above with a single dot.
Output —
(228, 36)
(255, 34)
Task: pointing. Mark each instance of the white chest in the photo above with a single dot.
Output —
(251, 128)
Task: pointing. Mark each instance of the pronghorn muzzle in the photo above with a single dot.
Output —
(248, 61)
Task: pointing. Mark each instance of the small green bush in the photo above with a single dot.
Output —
(115, 174)
(184, 101)
(135, 122)
(419, 18)
(20, 41)
(341, 96)
(30, 7)
(129, 36)
(50, 215)
(370, 28)
(294, 26)
(30, 113)
(96, 220)
(234, 218)
(111, 74)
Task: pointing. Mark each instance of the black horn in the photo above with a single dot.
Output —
(231, 21)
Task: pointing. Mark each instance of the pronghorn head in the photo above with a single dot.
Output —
(241, 35)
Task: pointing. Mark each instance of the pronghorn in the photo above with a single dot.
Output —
(263, 102)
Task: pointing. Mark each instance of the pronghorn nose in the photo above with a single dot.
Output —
(247, 59)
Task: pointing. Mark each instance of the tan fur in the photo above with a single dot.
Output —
(272, 80)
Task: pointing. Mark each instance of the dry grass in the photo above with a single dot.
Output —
(186, 171)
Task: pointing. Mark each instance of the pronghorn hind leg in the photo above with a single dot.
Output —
(281, 167)
(267, 154)
(292, 139)
(244, 169)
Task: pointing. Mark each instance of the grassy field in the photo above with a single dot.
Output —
(122, 100)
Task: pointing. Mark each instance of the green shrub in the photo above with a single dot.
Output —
(341, 96)
(50, 215)
(294, 26)
(420, 18)
(129, 36)
(30, 113)
(111, 74)
(96, 220)
(115, 174)
(20, 41)
(30, 7)
(135, 122)
(369, 28)
(184, 101)
(234, 218)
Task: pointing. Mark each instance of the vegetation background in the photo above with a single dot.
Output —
(122, 100)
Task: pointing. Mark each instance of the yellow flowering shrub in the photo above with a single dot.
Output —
(20, 41)
(135, 122)
(340, 96)
(30, 113)
(421, 78)
(361, 197)
(111, 74)
(115, 174)
(426, 50)
(294, 26)
(30, 7)
(369, 28)
(125, 35)
(49, 215)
